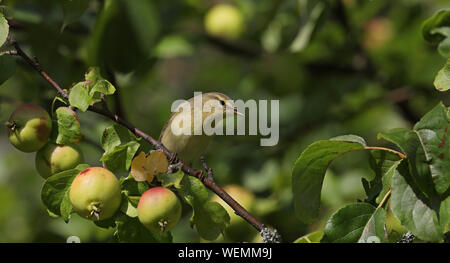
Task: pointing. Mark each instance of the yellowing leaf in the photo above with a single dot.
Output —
(144, 168)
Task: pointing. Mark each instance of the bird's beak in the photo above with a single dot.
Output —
(237, 112)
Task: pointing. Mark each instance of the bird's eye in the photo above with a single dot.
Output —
(222, 102)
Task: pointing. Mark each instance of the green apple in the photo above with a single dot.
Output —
(53, 158)
(224, 21)
(95, 194)
(29, 128)
(159, 209)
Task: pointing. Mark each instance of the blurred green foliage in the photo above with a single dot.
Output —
(364, 69)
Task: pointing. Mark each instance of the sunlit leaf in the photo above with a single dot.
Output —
(442, 79)
(79, 97)
(309, 172)
(173, 179)
(66, 126)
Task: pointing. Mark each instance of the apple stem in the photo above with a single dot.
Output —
(163, 224)
(11, 125)
(95, 212)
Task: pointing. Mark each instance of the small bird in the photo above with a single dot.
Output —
(188, 146)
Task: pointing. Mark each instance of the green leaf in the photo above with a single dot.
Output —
(434, 135)
(127, 207)
(309, 172)
(72, 10)
(375, 229)
(313, 237)
(444, 215)
(4, 29)
(115, 135)
(193, 191)
(55, 189)
(119, 159)
(120, 147)
(79, 96)
(131, 187)
(444, 45)
(130, 230)
(442, 79)
(66, 207)
(209, 218)
(173, 179)
(441, 19)
(384, 164)
(411, 143)
(413, 213)
(359, 222)
(7, 67)
(67, 126)
(103, 86)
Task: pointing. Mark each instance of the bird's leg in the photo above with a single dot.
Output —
(174, 164)
(174, 158)
(209, 172)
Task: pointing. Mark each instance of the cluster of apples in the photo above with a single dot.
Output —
(29, 129)
(95, 193)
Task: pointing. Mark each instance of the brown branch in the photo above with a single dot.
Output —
(239, 210)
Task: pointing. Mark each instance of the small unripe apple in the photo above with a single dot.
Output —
(95, 194)
(29, 128)
(53, 158)
(224, 21)
(159, 209)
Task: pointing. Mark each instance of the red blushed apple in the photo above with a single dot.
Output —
(159, 209)
(95, 194)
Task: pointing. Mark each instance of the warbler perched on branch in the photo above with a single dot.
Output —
(184, 134)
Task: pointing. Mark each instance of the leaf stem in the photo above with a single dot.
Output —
(402, 155)
(384, 198)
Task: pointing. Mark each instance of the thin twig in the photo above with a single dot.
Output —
(239, 210)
